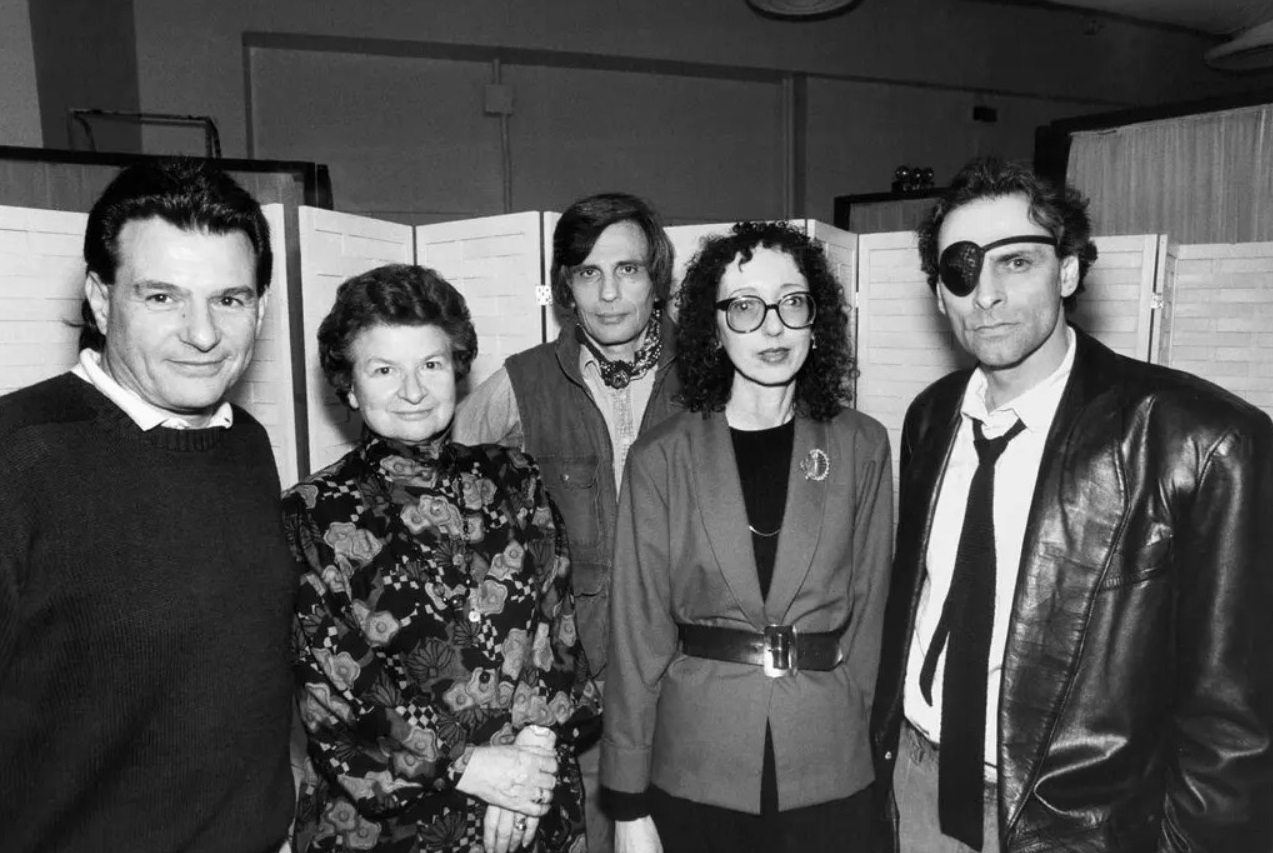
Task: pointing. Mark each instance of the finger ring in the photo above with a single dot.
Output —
(520, 823)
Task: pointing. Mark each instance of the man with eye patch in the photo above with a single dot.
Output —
(145, 581)
(1078, 646)
(578, 403)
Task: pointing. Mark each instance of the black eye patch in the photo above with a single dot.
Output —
(959, 266)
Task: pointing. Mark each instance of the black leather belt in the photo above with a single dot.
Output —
(780, 650)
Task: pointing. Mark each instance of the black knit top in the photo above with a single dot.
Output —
(145, 597)
(764, 460)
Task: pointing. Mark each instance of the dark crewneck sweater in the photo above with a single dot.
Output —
(145, 599)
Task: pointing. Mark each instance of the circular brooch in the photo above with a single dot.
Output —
(816, 465)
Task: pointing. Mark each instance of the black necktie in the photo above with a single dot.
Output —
(967, 619)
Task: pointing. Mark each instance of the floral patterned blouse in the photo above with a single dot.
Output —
(434, 616)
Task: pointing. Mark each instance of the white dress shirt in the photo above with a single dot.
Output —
(143, 413)
(1015, 476)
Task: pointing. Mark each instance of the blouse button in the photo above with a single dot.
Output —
(474, 616)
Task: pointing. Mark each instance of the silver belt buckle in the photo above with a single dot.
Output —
(780, 651)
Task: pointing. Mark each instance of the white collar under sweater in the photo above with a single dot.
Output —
(144, 414)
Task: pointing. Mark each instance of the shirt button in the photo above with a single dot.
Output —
(474, 616)
(888, 756)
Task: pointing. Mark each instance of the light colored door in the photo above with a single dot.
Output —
(334, 247)
(494, 262)
(1117, 304)
(1218, 316)
(266, 389)
(41, 288)
(903, 344)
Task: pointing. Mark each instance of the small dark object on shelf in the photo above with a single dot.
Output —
(907, 179)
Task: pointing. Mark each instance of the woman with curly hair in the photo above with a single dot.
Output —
(440, 678)
(750, 572)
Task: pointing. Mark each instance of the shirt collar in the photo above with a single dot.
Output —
(1035, 408)
(588, 361)
(146, 415)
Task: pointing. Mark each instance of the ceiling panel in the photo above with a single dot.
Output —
(1219, 17)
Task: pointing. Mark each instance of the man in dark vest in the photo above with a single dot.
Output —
(578, 404)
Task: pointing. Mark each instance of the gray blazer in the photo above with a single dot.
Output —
(696, 727)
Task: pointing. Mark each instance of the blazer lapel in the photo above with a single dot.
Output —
(720, 504)
(1054, 593)
(801, 519)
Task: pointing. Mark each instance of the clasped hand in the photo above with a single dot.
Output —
(517, 783)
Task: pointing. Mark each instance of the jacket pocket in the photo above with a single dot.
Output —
(572, 484)
(1141, 562)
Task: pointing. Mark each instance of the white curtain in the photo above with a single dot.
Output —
(1202, 179)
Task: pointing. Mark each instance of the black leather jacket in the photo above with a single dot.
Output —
(1137, 698)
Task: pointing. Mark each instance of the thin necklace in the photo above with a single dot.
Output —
(766, 535)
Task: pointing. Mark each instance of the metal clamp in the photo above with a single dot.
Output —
(780, 651)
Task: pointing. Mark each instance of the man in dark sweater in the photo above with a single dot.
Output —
(145, 585)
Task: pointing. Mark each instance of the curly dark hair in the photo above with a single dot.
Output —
(393, 295)
(1059, 208)
(194, 195)
(579, 227)
(823, 383)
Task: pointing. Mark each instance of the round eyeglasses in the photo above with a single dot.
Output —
(747, 313)
(959, 266)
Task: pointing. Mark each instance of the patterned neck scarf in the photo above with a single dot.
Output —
(433, 453)
(620, 374)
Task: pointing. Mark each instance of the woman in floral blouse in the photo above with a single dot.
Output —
(440, 679)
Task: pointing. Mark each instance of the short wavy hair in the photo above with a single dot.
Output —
(190, 194)
(393, 295)
(823, 385)
(1059, 208)
(579, 227)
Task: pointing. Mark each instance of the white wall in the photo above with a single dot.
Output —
(19, 100)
